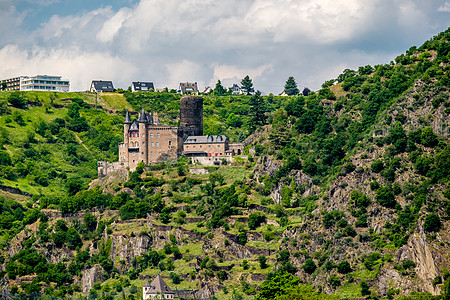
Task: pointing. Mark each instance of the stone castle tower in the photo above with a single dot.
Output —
(191, 114)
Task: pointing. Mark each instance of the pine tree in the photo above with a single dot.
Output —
(291, 87)
(219, 90)
(247, 85)
(258, 109)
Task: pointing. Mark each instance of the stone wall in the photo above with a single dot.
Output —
(105, 167)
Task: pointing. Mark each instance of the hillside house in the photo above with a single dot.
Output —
(101, 86)
(187, 88)
(142, 86)
(236, 90)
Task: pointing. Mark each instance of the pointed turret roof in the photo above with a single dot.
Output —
(127, 118)
(142, 117)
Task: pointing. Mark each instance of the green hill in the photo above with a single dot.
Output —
(343, 193)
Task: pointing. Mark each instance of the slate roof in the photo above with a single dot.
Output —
(142, 86)
(102, 86)
(205, 139)
(158, 285)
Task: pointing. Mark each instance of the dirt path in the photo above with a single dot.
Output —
(10, 152)
(81, 142)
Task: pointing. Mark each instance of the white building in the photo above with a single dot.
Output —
(37, 83)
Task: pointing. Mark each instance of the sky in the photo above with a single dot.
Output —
(173, 41)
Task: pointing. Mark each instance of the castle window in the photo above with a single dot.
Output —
(157, 144)
(151, 134)
(187, 147)
(160, 153)
(151, 152)
(143, 143)
(153, 144)
(157, 134)
(170, 143)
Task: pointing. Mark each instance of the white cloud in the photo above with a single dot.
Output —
(444, 8)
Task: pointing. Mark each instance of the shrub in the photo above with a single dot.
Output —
(344, 267)
(309, 266)
(377, 166)
(432, 223)
(385, 196)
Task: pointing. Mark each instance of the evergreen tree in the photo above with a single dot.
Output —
(258, 109)
(291, 87)
(247, 85)
(219, 90)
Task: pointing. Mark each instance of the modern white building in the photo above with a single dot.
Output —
(37, 83)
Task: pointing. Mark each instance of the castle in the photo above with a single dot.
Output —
(146, 140)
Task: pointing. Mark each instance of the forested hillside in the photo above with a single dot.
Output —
(341, 193)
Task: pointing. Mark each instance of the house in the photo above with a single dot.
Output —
(142, 86)
(236, 90)
(283, 94)
(158, 289)
(207, 90)
(101, 86)
(187, 88)
(37, 83)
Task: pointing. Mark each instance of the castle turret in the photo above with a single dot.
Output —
(126, 127)
(143, 139)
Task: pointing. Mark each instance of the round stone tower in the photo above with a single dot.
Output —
(191, 113)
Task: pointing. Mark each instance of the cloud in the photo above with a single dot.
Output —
(444, 8)
(170, 41)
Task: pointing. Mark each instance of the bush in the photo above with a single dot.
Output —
(385, 196)
(432, 223)
(309, 266)
(344, 267)
(377, 166)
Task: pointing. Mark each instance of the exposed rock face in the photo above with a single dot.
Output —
(418, 250)
(89, 277)
(126, 248)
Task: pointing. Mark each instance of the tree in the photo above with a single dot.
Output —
(17, 99)
(258, 110)
(276, 286)
(306, 91)
(255, 220)
(291, 87)
(4, 86)
(219, 90)
(262, 261)
(247, 85)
